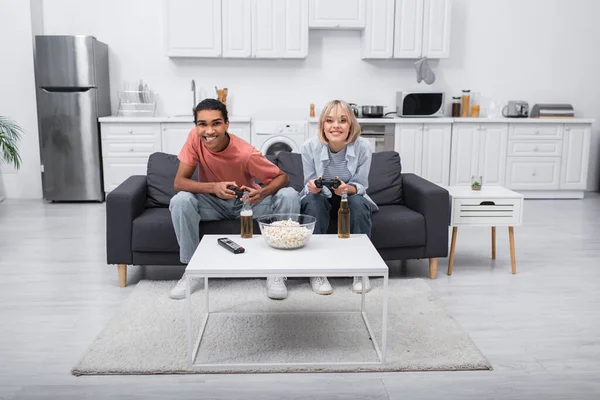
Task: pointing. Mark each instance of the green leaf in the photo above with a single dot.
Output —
(10, 134)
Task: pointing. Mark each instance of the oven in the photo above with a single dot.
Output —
(380, 135)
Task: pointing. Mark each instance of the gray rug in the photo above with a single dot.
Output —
(148, 335)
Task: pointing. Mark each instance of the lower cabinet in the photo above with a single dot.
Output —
(127, 146)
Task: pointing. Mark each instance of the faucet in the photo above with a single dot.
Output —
(194, 90)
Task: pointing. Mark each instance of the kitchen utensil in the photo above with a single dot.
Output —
(354, 109)
(516, 109)
(372, 111)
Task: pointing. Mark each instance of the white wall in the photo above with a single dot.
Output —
(17, 98)
(541, 51)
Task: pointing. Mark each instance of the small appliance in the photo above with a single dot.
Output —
(420, 104)
(516, 109)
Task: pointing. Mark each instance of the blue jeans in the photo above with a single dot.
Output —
(188, 209)
(319, 207)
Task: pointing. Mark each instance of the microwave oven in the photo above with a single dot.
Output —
(420, 104)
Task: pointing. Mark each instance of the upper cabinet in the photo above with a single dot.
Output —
(422, 29)
(279, 28)
(250, 28)
(378, 36)
(184, 36)
(237, 28)
(337, 14)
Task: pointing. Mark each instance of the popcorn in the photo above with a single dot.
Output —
(286, 234)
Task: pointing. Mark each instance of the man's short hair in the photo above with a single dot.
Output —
(211, 104)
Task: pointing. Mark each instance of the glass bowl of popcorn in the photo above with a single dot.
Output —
(286, 231)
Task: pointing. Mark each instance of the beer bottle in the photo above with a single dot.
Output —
(246, 223)
(344, 217)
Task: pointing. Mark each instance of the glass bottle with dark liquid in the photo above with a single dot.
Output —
(246, 223)
(344, 217)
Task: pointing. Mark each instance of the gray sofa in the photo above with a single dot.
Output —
(412, 221)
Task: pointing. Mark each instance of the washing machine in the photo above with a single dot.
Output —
(272, 137)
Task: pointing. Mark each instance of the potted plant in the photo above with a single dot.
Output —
(10, 134)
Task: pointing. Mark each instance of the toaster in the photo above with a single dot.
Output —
(516, 109)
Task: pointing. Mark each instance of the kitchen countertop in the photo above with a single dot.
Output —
(163, 119)
(449, 120)
(395, 120)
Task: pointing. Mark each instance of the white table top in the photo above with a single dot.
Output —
(323, 255)
(497, 192)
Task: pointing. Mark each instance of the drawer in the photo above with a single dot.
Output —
(534, 148)
(117, 148)
(130, 132)
(533, 173)
(492, 211)
(535, 131)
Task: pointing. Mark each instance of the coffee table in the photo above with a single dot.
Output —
(260, 261)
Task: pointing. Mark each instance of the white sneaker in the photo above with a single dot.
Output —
(320, 285)
(357, 284)
(276, 289)
(178, 292)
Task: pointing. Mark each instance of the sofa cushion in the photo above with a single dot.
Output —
(291, 164)
(397, 226)
(385, 178)
(153, 231)
(160, 176)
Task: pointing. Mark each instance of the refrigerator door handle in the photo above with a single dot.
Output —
(65, 89)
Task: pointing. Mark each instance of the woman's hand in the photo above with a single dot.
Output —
(312, 188)
(350, 189)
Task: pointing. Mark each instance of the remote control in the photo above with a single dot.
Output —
(231, 245)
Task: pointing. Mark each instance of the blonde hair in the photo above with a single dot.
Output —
(353, 132)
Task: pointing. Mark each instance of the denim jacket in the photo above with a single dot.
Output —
(315, 158)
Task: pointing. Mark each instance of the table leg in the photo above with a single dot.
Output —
(384, 319)
(511, 238)
(452, 247)
(188, 317)
(493, 242)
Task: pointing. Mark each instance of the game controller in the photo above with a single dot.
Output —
(238, 192)
(330, 183)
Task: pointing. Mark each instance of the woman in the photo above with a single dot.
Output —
(337, 152)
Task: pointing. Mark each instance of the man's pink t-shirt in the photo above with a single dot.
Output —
(239, 162)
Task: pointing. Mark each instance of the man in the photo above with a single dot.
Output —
(223, 159)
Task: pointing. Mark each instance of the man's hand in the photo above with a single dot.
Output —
(255, 195)
(222, 192)
(344, 187)
(312, 188)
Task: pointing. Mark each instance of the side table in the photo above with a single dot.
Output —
(491, 206)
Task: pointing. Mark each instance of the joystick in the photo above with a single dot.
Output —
(238, 192)
(330, 183)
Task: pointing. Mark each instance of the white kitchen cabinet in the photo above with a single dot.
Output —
(575, 157)
(435, 166)
(117, 169)
(184, 35)
(436, 29)
(422, 28)
(279, 28)
(378, 37)
(174, 135)
(337, 14)
(237, 28)
(533, 173)
(478, 149)
(240, 129)
(408, 142)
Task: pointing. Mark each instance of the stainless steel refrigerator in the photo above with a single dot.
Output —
(72, 88)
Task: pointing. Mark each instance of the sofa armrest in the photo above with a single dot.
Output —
(433, 202)
(123, 205)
